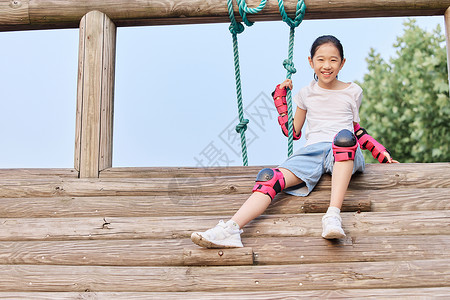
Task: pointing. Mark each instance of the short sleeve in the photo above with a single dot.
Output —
(299, 100)
(357, 105)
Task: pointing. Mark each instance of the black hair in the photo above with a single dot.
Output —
(324, 39)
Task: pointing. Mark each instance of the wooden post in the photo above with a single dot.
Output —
(447, 31)
(95, 94)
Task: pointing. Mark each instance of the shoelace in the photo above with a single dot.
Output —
(219, 229)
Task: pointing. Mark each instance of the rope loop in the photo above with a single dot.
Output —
(299, 13)
(244, 10)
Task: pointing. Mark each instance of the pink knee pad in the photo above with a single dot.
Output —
(344, 145)
(269, 182)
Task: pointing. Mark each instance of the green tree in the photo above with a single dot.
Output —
(406, 103)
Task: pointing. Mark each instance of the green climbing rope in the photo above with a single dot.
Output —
(289, 64)
(235, 29)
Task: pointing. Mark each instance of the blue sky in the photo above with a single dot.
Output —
(175, 100)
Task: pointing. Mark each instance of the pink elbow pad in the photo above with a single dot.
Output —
(368, 142)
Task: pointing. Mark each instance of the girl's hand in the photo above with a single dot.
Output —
(286, 84)
(389, 158)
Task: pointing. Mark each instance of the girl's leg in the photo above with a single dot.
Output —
(257, 203)
(342, 173)
(228, 235)
(331, 221)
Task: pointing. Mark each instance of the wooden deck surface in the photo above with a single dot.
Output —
(126, 235)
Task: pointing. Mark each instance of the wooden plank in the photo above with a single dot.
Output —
(141, 206)
(93, 146)
(138, 252)
(376, 177)
(179, 205)
(382, 176)
(381, 294)
(355, 224)
(409, 199)
(261, 251)
(180, 172)
(320, 206)
(67, 14)
(305, 250)
(325, 276)
(37, 173)
(401, 171)
(86, 187)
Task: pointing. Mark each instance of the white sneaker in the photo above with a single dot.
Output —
(220, 236)
(332, 227)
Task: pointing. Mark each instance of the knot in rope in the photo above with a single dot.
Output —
(242, 126)
(288, 64)
(236, 28)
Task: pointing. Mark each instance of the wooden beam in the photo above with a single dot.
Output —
(376, 177)
(326, 276)
(37, 173)
(140, 206)
(303, 225)
(379, 294)
(95, 94)
(404, 199)
(258, 251)
(45, 14)
(447, 31)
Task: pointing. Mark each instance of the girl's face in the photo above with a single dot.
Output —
(327, 63)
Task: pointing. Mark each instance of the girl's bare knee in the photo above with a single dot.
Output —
(290, 178)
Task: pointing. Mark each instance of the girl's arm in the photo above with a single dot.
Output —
(379, 152)
(279, 97)
(299, 120)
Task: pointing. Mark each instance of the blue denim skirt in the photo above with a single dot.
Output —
(311, 162)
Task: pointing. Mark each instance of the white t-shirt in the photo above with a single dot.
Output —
(328, 111)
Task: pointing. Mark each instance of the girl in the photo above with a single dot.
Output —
(332, 135)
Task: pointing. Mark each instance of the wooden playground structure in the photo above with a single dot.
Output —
(99, 232)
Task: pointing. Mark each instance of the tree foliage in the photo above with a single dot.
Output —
(406, 103)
